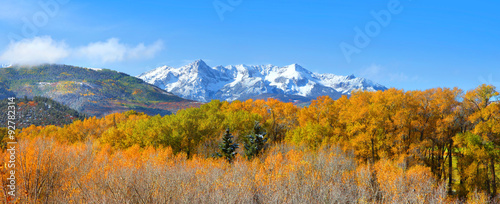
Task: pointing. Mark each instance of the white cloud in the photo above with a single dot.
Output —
(147, 52)
(398, 77)
(35, 51)
(382, 75)
(40, 50)
(401, 77)
(109, 51)
(114, 51)
(372, 71)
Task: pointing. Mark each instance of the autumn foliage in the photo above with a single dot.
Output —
(434, 146)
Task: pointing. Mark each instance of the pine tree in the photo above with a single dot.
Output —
(227, 147)
(255, 142)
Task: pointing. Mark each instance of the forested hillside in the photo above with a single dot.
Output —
(4, 91)
(435, 146)
(39, 111)
(94, 92)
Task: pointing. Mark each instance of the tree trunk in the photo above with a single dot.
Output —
(373, 151)
(433, 167)
(493, 178)
(450, 168)
(488, 182)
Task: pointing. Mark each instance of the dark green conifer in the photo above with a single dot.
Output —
(256, 142)
(227, 147)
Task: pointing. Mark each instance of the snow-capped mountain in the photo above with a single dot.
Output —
(200, 82)
(5, 65)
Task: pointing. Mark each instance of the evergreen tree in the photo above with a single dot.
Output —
(255, 142)
(227, 147)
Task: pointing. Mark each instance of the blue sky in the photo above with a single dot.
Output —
(423, 44)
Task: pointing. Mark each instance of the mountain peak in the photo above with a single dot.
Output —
(298, 68)
(198, 81)
(198, 63)
(294, 66)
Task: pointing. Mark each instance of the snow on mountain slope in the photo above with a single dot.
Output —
(198, 81)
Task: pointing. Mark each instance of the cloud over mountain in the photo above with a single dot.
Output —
(35, 51)
(39, 50)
